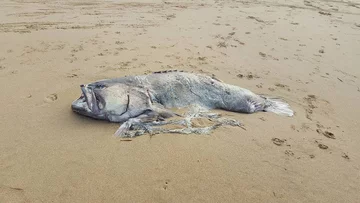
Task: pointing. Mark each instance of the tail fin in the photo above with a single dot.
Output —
(278, 106)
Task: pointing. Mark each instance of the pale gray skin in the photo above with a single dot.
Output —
(147, 98)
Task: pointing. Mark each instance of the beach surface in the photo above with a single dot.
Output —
(304, 51)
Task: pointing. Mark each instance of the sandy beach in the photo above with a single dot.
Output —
(304, 51)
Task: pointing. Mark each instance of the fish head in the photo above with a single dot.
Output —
(89, 103)
(100, 101)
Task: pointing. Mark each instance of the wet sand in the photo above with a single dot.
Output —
(306, 52)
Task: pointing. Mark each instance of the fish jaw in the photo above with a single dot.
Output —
(86, 105)
(90, 98)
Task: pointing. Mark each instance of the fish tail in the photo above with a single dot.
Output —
(277, 106)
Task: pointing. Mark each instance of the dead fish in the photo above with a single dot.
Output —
(146, 99)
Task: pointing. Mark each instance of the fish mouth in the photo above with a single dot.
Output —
(88, 103)
(80, 105)
(90, 99)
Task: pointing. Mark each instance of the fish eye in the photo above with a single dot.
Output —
(100, 86)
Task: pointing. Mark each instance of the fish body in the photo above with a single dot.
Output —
(150, 96)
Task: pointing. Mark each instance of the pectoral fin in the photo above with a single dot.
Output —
(141, 120)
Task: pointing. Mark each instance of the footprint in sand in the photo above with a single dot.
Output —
(12, 194)
(222, 45)
(326, 133)
(59, 47)
(72, 75)
(51, 98)
(77, 48)
(345, 156)
(322, 146)
(262, 54)
(289, 152)
(278, 141)
(324, 13)
(249, 76)
(293, 127)
(166, 184)
(282, 86)
(310, 99)
(169, 17)
(240, 42)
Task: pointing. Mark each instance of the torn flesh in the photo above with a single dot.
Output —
(146, 123)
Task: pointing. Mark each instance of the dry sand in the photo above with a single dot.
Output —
(307, 52)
